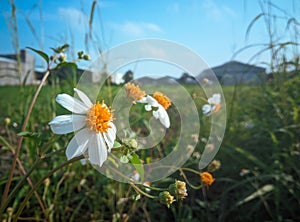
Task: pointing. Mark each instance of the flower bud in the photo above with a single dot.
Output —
(62, 57)
(214, 165)
(7, 121)
(80, 54)
(181, 189)
(130, 142)
(47, 182)
(166, 198)
(206, 178)
(178, 189)
(10, 211)
(86, 57)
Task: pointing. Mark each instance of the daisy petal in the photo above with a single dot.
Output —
(110, 136)
(78, 144)
(163, 116)
(84, 98)
(155, 114)
(143, 100)
(113, 127)
(97, 150)
(108, 141)
(215, 99)
(151, 101)
(72, 104)
(206, 109)
(148, 107)
(164, 119)
(67, 123)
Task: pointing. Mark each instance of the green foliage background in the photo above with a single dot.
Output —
(262, 136)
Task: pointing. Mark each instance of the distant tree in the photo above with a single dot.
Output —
(184, 78)
(128, 76)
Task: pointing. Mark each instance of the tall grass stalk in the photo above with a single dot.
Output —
(20, 139)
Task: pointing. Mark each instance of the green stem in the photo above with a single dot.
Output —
(190, 170)
(36, 186)
(153, 188)
(129, 181)
(141, 191)
(186, 179)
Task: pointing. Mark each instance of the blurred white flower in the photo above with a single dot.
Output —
(92, 124)
(213, 105)
(135, 176)
(160, 103)
(147, 184)
(244, 172)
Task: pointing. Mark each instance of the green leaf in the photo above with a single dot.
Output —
(29, 134)
(258, 193)
(274, 138)
(136, 197)
(5, 142)
(42, 54)
(148, 160)
(117, 144)
(92, 13)
(64, 47)
(252, 23)
(66, 64)
(135, 160)
(55, 50)
(124, 159)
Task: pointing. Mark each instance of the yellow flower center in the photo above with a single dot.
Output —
(99, 117)
(207, 178)
(134, 92)
(162, 99)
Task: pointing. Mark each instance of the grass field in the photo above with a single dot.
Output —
(258, 179)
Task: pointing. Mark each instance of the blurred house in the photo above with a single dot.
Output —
(234, 72)
(117, 78)
(13, 72)
(167, 80)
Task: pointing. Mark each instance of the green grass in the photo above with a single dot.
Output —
(262, 136)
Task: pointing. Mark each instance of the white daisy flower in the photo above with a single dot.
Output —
(213, 106)
(161, 103)
(92, 123)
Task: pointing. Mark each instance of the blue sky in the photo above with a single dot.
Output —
(214, 29)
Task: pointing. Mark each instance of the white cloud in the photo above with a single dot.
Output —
(136, 29)
(152, 27)
(153, 51)
(217, 12)
(74, 17)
